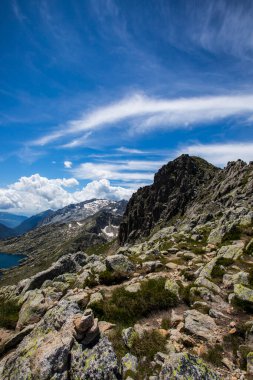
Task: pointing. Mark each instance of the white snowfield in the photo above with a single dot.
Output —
(80, 211)
(110, 231)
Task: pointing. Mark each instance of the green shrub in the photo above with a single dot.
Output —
(9, 312)
(188, 274)
(233, 234)
(166, 323)
(126, 307)
(109, 277)
(214, 354)
(148, 345)
(145, 348)
(91, 281)
(219, 270)
(186, 293)
(118, 344)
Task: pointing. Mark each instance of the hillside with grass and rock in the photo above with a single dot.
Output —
(171, 299)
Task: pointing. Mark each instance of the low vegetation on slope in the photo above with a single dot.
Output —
(126, 308)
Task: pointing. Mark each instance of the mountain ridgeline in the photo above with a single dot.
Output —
(175, 186)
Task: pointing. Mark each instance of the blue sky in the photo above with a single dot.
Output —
(96, 95)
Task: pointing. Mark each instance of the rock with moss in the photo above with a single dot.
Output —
(217, 234)
(67, 278)
(133, 288)
(95, 297)
(198, 293)
(80, 296)
(200, 325)
(128, 336)
(184, 366)
(96, 363)
(250, 363)
(237, 278)
(129, 364)
(204, 282)
(172, 286)
(243, 294)
(119, 263)
(83, 278)
(231, 252)
(35, 306)
(151, 266)
(206, 271)
(44, 353)
(68, 263)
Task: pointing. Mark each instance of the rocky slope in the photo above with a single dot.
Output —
(175, 305)
(47, 243)
(32, 222)
(80, 211)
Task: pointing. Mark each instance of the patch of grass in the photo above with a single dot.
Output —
(126, 308)
(144, 348)
(91, 281)
(239, 232)
(99, 249)
(109, 277)
(166, 323)
(188, 274)
(9, 312)
(214, 354)
(148, 345)
(186, 295)
(243, 350)
(233, 234)
(117, 342)
(219, 268)
(165, 245)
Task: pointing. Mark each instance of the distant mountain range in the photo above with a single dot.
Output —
(6, 232)
(32, 222)
(70, 229)
(71, 213)
(11, 220)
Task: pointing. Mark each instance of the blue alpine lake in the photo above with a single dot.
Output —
(8, 260)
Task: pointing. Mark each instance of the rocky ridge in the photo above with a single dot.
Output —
(175, 305)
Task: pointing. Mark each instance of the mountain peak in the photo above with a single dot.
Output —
(175, 186)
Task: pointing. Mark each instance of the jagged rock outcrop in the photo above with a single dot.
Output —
(68, 263)
(175, 186)
(190, 192)
(65, 344)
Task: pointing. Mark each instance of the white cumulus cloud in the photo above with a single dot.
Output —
(68, 164)
(31, 195)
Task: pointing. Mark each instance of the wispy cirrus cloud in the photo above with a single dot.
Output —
(144, 114)
(220, 153)
(123, 149)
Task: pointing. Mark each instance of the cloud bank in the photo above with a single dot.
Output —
(31, 195)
